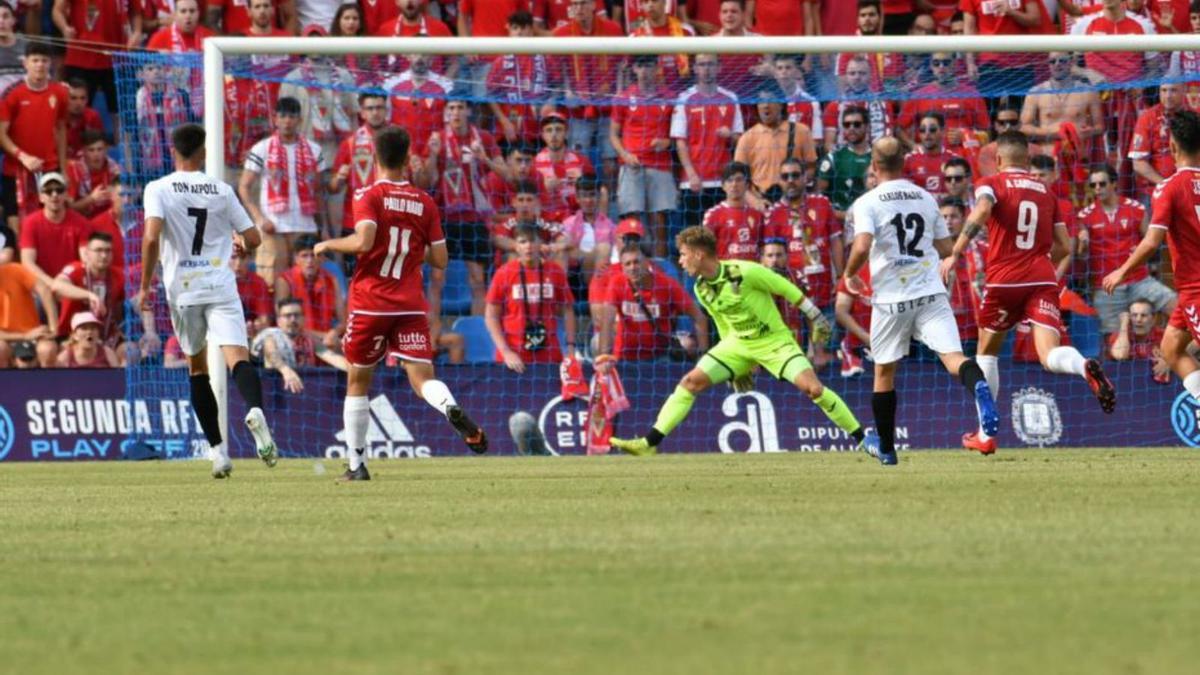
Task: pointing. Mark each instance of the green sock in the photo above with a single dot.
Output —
(674, 410)
(837, 411)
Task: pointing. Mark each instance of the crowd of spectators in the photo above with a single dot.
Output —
(558, 176)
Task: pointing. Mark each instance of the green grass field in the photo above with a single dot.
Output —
(1027, 562)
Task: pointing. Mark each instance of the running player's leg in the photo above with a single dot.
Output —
(936, 327)
(364, 345)
(192, 330)
(227, 328)
(1042, 311)
(433, 391)
(1178, 336)
(800, 373)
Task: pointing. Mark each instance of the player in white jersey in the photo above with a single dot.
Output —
(195, 220)
(899, 226)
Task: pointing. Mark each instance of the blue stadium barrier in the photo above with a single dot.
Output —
(480, 348)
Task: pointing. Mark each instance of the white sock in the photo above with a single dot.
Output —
(990, 365)
(437, 394)
(1065, 361)
(356, 416)
(1192, 384)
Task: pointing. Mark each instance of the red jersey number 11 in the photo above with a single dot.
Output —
(393, 265)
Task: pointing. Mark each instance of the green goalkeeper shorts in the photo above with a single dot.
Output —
(778, 354)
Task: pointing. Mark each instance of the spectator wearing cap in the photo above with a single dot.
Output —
(459, 156)
(645, 302)
(588, 232)
(774, 139)
(290, 196)
(560, 167)
(19, 321)
(81, 116)
(628, 231)
(91, 176)
(51, 238)
(94, 29)
(842, 174)
(244, 17)
(256, 295)
(737, 224)
(32, 133)
(641, 134)
(94, 284)
(84, 347)
(318, 291)
(515, 83)
(289, 345)
(526, 298)
(705, 124)
(806, 224)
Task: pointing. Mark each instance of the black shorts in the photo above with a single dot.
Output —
(8, 196)
(468, 240)
(97, 80)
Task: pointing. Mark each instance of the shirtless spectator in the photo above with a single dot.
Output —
(1063, 99)
(856, 92)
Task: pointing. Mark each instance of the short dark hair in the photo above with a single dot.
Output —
(1185, 129)
(525, 187)
(645, 59)
(1194, 7)
(794, 58)
(520, 19)
(519, 147)
(76, 83)
(632, 247)
(588, 182)
(957, 162)
(935, 116)
(38, 49)
(959, 16)
(100, 236)
(769, 91)
(863, 4)
(526, 230)
(370, 94)
(856, 110)
(740, 3)
(735, 169)
(391, 147)
(796, 161)
(287, 302)
(952, 202)
(305, 242)
(1140, 300)
(188, 139)
(287, 105)
(90, 136)
(1107, 169)
(1044, 162)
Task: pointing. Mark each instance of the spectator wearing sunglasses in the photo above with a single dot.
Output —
(1008, 118)
(959, 103)
(1115, 226)
(956, 178)
(923, 166)
(51, 237)
(1063, 98)
(842, 173)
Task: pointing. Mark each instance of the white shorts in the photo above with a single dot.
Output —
(223, 322)
(929, 319)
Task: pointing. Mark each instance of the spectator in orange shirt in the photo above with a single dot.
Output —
(767, 144)
(19, 316)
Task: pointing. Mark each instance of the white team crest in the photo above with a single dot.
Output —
(1035, 417)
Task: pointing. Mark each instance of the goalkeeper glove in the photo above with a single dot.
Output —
(821, 330)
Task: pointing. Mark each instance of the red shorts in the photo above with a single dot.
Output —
(369, 337)
(1187, 313)
(1005, 306)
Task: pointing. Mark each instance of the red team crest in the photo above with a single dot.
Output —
(387, 307)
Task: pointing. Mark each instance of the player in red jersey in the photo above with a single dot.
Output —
(1175, 216)
(387, 306)
(1026, 237)
(737, 224)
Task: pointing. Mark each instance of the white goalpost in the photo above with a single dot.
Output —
(217, 49)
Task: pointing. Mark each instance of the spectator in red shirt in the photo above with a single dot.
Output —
(632, 13)
(525, 209)
(500, 188)
(1150, 149)
(185, 34)
(110, 221)
(587, 81)
(514, 81)
(783, 17)
(81, 117)
(998, 72)
(1045, 169)
(50, 238)
(886, 69)
(706, 123)
(923, 166)
(803, 108)
(33, 133)
(738, 225)
(964, 297)
(417, 101)
(354, 165)
(641, 134)
(673, 69)
(524, 303)
(645, 302)
(559, 168)
(813, 235)
(484, 18)
(256, 296)
(958, 103)
(90, 176)
(1138, 338)
(1115, 227)
(956, 178)
(316, 288)
(1112, 19)
(94, 29)
(413, 21)
(94, 284)
(856, 92)
(235, 17)
(738, 72)
(458, 158)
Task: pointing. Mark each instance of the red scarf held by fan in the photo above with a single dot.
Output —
(608, 399)
(173, 114)
(279, 179)
(462, 188)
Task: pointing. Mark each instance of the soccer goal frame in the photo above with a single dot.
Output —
(216, 49)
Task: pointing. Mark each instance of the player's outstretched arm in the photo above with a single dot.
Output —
(360, 241)
(1149, 244)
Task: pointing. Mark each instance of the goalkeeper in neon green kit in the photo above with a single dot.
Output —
(739, 296)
